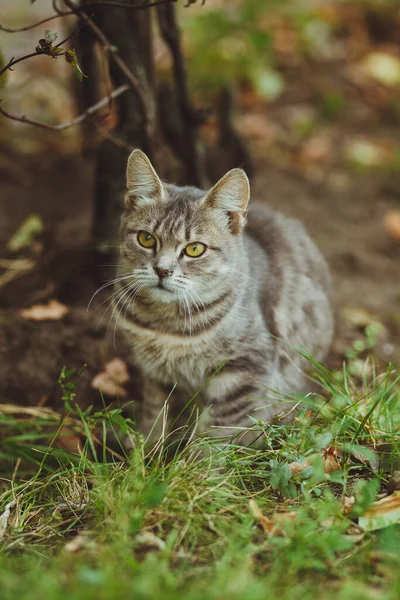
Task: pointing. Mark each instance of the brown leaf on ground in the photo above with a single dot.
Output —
(111, 379)
(383, 513)
(358, 316)
(52, 311)
(69, 441)
(392, 224)
(330, 461)
(4, 517)
(297, 468)
(317, 149)
(271, 525)
(347, 504)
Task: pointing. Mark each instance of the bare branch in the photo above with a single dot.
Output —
(134, 82)
(77, 10)
(27, 27)
(85, 115)
(77, 30)
(13, 61)
(129, 6)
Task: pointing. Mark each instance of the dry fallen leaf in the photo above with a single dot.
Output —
(5, 516)
(52, 311)
(78, 543)
(26, 233)
(358, 316)
(68, 440)
(330, 461)
(392, 224)
(110, 380)
(347, 504)
(382, 514)
(271, 525)
(297, 468)
(317, 149)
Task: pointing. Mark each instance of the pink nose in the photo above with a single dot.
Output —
(162, 273)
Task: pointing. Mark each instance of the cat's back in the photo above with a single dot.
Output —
(296, 289)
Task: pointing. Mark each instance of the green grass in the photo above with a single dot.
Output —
(81, 527)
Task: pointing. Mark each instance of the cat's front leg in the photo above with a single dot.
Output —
(154, 419)
(233, 398)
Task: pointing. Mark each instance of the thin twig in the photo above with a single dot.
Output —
(39, 52)
(82, 117)
(33, 25)
(74, 12)
(129, 6)
(134, 82)
(13, 61)
(77, 30)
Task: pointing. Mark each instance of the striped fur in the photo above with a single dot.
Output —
(227, 324)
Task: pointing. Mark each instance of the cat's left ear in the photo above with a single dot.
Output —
(231, 195)
(143, 184)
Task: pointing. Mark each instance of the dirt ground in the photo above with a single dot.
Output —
(347, 224)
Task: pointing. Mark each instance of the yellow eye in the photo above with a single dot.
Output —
(195, 249)
(146, 239)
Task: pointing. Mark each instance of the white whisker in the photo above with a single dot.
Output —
(108, 283)
(112, 299)
(123, 300)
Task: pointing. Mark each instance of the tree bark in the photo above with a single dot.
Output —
(129, 33)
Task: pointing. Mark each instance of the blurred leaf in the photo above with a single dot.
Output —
(280, 479)
(365, 153)
(268, 83)
(273, 525)
(50, 36)
(316, 33)
(332, 105)
(392, 224)
(54, 50)
(383, 67)
(52, 311)
(113, 376)
(72, 59)
(365, 495)
(24, 236)
(154, 493)
(231, 45)
(261, 40)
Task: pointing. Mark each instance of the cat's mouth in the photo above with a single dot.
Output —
(161, 286)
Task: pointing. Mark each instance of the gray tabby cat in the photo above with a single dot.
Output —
(212, 304)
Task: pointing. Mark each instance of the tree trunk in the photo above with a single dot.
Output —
(129, 32)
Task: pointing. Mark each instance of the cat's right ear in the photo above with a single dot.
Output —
(142, 182)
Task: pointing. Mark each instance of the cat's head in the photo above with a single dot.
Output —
(180, 241)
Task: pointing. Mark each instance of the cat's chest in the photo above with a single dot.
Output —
(170, 359)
